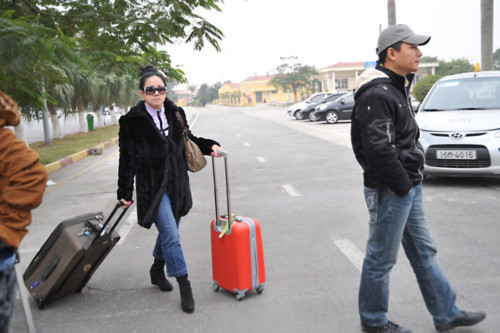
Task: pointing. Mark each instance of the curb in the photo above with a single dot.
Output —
(51, 167)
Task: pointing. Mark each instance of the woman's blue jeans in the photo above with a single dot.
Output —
(393, 220)
(168, 246)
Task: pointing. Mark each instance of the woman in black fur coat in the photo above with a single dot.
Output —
(152, 150)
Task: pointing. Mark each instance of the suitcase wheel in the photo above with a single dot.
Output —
(259, 289)
(215, 286)
(239, 296)
(40, 303)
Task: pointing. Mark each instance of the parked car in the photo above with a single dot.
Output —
(340, 109)
(459, 124)
(308, 111)
(294, 110)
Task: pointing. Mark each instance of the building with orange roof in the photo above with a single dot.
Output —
(342, 75)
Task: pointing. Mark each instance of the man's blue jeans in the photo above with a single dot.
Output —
(395, 219)
(168, 246)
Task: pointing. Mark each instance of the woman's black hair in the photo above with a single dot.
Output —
(383, 54)
(147, 72)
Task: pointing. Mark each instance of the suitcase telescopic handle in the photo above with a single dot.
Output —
(118, 205)
(221, 153)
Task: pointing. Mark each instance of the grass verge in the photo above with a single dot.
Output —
(73, 143)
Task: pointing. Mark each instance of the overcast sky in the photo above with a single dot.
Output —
(324, 32)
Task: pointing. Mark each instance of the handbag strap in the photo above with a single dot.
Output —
(182, 124)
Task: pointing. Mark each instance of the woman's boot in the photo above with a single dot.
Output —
(158, 278)
(187, 301)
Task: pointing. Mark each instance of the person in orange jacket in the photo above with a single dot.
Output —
(22, 183)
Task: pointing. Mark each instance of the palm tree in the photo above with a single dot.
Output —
(487, 35)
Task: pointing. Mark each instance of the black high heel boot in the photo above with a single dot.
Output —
(187, 301)
(158, 278)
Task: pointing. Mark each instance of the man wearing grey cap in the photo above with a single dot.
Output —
(384, 138)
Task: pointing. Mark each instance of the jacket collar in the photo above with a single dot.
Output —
(402, 82)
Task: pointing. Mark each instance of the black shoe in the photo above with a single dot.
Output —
(390, 327)
(187, 301)
(464, 319)
(158, 277)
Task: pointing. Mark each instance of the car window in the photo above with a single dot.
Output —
(465, 94)
(333, 97)
(349, 99)
(317, 98)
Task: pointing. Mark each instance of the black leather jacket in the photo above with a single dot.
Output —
(384, 132)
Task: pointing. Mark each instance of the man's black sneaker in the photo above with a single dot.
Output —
(390, 327)
(464, 319)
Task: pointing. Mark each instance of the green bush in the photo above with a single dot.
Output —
(423, 86)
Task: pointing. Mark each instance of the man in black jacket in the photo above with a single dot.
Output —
(384, 137)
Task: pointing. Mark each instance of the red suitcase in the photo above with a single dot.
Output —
(237, 252)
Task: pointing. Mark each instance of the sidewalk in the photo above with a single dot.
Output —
(96, 150)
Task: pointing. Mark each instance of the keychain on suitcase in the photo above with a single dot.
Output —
(237, 252)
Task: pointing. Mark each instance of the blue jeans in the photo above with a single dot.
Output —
(395, 219)
(168, 246)
(8, 288)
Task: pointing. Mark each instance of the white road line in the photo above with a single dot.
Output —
(191, 125)
(246, 144)
(352, 253)
(261, 159)
(127, 226)
(291, 190)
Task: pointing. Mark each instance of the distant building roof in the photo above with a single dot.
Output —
(185, 92)
(233, 85)
(344, 65)
(260, 78)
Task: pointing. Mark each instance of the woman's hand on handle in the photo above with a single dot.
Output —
(124, 203)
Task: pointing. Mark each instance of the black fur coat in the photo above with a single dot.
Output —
(156, 161)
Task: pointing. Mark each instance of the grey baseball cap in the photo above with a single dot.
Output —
(399, 33)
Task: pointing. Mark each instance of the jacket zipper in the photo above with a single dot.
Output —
(388, 126)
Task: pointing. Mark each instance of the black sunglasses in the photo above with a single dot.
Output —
(152, 90)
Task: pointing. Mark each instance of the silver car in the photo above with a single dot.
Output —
(294, 110)
(459, 121)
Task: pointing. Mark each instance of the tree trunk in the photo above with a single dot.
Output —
(100, 122)
(56, 126)
(114, 120)
(391, 12)
(19, 130)
(81, 114)
(487, 35)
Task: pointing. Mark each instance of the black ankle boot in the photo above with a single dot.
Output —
(158, 278)
(187, 301)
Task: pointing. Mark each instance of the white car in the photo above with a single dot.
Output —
(459, 122)
(294, 110)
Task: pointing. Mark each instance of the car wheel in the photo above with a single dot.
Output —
(312, 116)
(298, 115)
(332, 117)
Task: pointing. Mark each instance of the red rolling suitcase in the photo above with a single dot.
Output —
(237, 252)
(69, 257)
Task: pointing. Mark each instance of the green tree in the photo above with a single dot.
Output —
(496, 60)
(455, 66)
(293, 75)
(423, 86)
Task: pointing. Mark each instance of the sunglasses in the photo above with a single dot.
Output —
(152, 90)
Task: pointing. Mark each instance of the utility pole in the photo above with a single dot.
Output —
(487, 35)
(46, 130)
(391, 11)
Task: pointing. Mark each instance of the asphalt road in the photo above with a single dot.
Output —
(301, 181)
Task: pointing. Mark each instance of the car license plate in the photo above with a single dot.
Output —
(456, 154)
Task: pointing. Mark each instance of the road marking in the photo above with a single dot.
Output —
(127, 226)
(291, 190)
(191, 125)
(352, 252)
(261, 159)
(246, 144)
